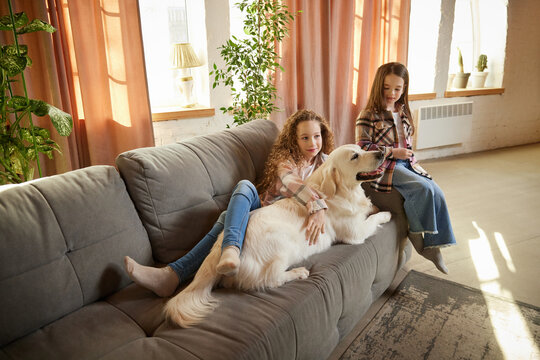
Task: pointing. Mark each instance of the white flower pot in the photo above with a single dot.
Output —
(460, 81)
(478, 79)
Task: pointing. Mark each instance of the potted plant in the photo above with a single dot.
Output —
(478, 78)
(461, 78)
(252, 62)
(21, 141)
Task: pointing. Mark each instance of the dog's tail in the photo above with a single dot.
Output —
(195, 302)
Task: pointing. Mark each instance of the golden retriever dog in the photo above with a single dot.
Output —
(275, 237)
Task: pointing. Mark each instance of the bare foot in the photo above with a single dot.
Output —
(162, 281)
(229, 261)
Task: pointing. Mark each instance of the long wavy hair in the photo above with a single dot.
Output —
(376, 102)
(286, 146)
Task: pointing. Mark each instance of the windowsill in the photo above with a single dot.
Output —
(472, 92)
(180, 113)
(423, 96)
(457, 93)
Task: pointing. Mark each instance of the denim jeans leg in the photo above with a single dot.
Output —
(187, 265)
(243, 200)
(418, 202)
(445, 235)
(424, 205)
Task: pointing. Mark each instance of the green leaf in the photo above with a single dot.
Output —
(13, 64)
(42, 133)
(20, 20)
(12, 49)
(36, 25)
(26, 135)
(18, 103)
(62, 121)
(39, 107)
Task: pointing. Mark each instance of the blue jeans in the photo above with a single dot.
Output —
(233, 222)
(425, 206)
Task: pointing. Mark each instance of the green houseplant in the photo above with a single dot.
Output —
(21, 141)
(461, 78)
(252, 62)
(478, 78)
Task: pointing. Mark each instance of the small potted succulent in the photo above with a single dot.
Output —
(461, 78)
(478, 78)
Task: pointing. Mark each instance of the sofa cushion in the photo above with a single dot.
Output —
(149, 348)
(87, 333)
(180, 189)
(244, 326)
(62, 242)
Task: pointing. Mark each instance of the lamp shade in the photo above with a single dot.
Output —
(183, 56)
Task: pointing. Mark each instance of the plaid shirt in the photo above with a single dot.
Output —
(290, 183)
(377, 131)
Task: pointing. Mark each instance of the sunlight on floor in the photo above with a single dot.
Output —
(511, 331)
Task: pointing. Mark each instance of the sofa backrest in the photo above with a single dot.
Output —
(62, 243)
(180, 189)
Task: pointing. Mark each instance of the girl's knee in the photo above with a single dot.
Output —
(425, 189)
(245, 187)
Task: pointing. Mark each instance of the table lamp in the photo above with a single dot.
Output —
(183, 57)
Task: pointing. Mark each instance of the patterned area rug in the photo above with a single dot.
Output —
(431, 318)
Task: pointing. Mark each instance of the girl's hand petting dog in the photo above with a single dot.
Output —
(315, 226)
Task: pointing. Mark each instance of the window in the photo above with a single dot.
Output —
(478, 27)
(462, 37)
(164, 23)
(423, 36)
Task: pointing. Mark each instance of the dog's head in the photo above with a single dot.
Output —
(348, 166)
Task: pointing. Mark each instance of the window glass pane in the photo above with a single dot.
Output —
(423, 36)
(462, 37)
(164, 23)
(490, 17)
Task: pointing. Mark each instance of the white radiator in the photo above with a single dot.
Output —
(443, 125)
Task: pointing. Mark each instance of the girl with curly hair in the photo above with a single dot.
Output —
(301, 147)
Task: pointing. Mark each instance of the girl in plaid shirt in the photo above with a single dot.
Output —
(300, 148)
(386, 124)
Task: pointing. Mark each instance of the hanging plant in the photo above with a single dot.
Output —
(21, 141)
(252, 63)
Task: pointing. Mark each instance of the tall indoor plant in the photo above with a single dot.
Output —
(21, 141)
(252, 62)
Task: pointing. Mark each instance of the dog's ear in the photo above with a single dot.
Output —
(330, 182)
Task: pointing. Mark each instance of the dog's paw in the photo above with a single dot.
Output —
(383, 216)
(300, 272)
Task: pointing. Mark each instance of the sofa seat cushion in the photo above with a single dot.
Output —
(149, 349)
(87, 333)
(141, 305)
(244, 326)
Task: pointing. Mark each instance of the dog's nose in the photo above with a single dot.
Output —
(380, 155)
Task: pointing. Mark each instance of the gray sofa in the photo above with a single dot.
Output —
(65, 295)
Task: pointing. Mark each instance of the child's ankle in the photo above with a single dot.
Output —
(229, 261)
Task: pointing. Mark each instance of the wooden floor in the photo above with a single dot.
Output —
(494, 203)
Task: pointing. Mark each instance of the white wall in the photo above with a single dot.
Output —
(512, 118)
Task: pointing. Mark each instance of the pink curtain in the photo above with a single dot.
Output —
(92, 67)
(331, 56)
